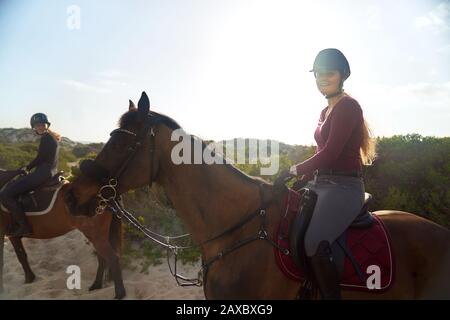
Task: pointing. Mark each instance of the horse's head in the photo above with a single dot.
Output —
(128, 159)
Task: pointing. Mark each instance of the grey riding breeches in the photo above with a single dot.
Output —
(339, 201)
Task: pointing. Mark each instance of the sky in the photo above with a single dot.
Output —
(223, 69)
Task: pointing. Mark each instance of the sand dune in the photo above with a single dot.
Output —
(49, 260)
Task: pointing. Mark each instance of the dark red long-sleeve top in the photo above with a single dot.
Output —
(339, 139)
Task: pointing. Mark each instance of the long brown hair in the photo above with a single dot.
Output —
(368, 146)
(368, 150)
(54, 134)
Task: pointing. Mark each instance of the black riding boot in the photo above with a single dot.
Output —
(24, 227)
(325, 272)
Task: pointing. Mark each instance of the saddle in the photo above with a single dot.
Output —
(365, 243)
(40, 200)
(301, 222)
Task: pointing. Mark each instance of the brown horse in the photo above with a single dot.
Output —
(211, 198)
(103, 231)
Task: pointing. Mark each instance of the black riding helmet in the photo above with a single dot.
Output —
(39, 118)
(332, 59)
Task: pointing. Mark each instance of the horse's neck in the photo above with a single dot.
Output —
(208, 198)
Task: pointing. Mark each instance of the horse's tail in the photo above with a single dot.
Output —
(116, 234)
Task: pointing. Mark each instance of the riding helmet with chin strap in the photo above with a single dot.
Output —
(39, 118)
(332, 59)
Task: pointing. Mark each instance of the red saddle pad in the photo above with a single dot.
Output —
(370, 247)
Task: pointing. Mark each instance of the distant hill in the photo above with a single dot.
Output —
(19, 146)
(241, 145)
(12, 135)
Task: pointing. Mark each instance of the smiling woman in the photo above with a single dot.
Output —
(342, 141)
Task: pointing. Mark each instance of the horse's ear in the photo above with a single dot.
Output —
(143, 106)
(132, 106)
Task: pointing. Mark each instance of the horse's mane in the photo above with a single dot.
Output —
(130, 118)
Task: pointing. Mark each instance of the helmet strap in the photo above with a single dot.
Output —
(334, 94)
(340, 90)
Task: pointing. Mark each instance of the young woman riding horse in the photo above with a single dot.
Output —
(343, 145)
(104, 232)
(46, 166)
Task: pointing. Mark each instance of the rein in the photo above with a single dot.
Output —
(109, 198)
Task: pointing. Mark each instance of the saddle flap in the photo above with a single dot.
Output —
(300, 225)
(41, 200)
(364, 220)
(54, 181)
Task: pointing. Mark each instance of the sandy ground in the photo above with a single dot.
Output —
(49, 260)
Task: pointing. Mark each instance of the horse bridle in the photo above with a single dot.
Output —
(108, 191)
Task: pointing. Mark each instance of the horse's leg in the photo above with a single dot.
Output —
(98, 282)
(22, 256)
(97, 231)
(2, 243)
(115, 239)
(105, 250)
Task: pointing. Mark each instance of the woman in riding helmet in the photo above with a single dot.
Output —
(45, 166)
(334, 171)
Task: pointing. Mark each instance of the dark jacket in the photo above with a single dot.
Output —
(46, 166)
(47, 157)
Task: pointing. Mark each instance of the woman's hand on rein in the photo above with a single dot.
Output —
(300, 183)
(279, 184)
(293, 170)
